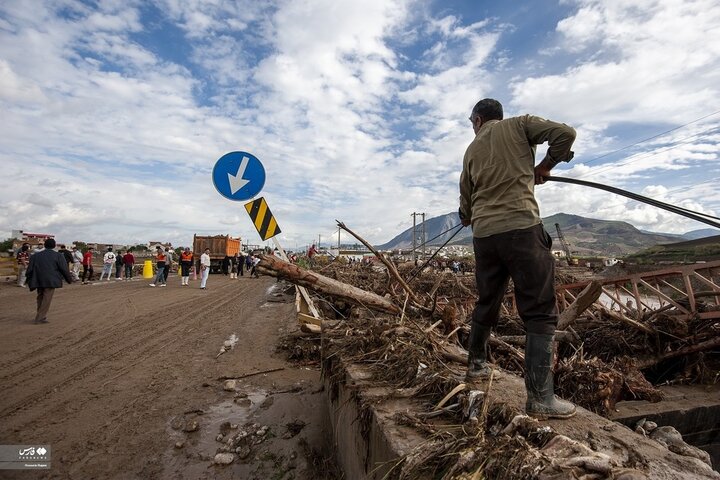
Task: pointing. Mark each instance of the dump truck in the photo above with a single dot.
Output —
(220, 246)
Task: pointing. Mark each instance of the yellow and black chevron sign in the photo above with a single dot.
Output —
(263, 218)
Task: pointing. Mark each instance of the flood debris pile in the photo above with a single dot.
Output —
(411, 339)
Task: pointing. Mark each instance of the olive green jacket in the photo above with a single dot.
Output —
(498, 178)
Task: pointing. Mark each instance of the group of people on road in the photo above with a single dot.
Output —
(122, 262)
(75, 259)
(239, 263)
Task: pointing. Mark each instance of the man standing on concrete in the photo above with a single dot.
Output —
(497, 198)
(45, 273)
(204, 268)
(77, 257)
(108, 262)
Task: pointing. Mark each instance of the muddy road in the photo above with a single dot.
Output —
(126, 382)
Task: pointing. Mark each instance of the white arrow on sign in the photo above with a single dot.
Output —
(237, 181)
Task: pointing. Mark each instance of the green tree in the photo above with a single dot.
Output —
(6, 245)
(82, 246)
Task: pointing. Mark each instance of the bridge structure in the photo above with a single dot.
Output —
(684, 291)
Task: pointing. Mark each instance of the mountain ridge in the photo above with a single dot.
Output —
(586, 236)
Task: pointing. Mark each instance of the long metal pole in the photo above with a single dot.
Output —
(423, 237)
(414, 239)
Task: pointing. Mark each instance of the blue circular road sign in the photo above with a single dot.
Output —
(238, 176)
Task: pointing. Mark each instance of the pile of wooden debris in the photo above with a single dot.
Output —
(412, 337)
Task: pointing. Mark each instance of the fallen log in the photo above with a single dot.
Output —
(698, 347)
(273, 266)
(586, 298)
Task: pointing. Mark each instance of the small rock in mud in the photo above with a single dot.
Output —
(191, 426)
(229, 385)
(243, 452)
(224, 459)
(267, 403)
(225, 427)
(219, 438)
(179, 444)
(293, 428)
(243, 402)
(177, 423)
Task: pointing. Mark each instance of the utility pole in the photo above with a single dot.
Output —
(318, 241)
(414, 251)
(338, 241)
(423, 236)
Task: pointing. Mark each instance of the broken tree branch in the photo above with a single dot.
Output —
(586, 298)
(273, 266)
(698, 347)
(391, 268)
(237, 377)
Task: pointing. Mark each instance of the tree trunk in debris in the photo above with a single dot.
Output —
(586, 298)
(271, 265)
(698, 347)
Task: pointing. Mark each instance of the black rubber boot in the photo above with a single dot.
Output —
(541, 399)
(477, 352)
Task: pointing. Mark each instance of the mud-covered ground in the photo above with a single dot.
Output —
(126, 382)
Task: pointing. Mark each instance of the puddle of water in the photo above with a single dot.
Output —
(194, 459)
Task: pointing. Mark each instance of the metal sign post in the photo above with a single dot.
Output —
(240, 176)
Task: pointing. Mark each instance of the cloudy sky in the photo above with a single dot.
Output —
(114, 112)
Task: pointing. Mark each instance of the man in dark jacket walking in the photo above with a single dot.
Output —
(45, 273)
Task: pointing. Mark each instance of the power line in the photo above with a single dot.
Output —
(652, 137)
(640, 156)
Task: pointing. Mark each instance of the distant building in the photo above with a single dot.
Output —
(152, 245)
(34, 239)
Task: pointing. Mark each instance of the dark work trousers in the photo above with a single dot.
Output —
(87, 270)
(44, 297)
(523, 255)
(166, 273)
(185, 268)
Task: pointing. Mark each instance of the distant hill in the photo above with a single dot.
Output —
(702, 233)
(586, 236)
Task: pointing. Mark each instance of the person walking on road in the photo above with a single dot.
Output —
(186, 261)
(129, 263)
(77, 257)
(108, 262)
(23, 259)
(248, 262)
(87, 265)
(497, 198)
(45, 273)
(160, 274)
(204, 268)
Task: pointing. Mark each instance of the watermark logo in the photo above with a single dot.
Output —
(24, 457)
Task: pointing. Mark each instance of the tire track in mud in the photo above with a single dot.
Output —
(55, 341)
(66, 350)
(166, 329)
